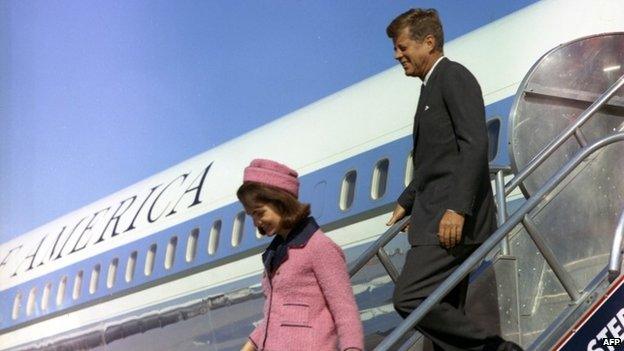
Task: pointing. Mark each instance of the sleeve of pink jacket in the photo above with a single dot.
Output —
(254, 337)
(256, 334)
(330, 269)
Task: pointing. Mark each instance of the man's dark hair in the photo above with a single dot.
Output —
(420, 22)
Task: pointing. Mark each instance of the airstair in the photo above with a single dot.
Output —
(556, 254)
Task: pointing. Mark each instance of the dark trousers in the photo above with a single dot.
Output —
(446, 325)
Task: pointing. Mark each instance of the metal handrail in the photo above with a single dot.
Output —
(615, 260)
(501, 208)
(560, 272)
(464, 269)
(498, 170)
(372, 250)
(543, 154)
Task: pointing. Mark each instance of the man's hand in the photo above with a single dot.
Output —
(450, 228)
(398, 213)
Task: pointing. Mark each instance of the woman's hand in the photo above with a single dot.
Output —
(249, 346)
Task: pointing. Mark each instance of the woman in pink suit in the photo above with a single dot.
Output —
(309, 301)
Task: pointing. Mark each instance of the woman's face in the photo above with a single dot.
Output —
(266, 219)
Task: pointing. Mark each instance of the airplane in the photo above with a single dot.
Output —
(172, 262)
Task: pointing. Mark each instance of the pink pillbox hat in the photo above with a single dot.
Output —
(272, 173)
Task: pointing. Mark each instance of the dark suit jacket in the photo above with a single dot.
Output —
(450, 158)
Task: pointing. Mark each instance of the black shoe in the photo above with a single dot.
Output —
(496, 343)
(509, 346)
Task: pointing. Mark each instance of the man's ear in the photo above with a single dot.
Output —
(430, 41)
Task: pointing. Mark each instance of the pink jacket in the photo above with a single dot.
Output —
(309, 302)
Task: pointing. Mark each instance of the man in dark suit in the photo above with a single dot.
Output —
(450, 198)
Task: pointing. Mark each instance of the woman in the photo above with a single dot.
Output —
(309, 301)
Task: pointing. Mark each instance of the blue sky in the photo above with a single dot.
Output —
(97, 95)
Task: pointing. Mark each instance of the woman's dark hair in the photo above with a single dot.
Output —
(284, 203)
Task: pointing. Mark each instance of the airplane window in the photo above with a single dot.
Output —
(347, 191)
(60, 293)
(30, 306)
(213, 241)
(409, 169)
(380, 179)
(493, 131)
(112, 272)
(170, 254)
(45, 297)
(95, 277)
(16, 305)
(149, 260)
(191, 245)
(77, 285)
(130, 266)
(237, 229)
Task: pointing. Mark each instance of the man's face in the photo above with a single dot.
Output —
(414, 56)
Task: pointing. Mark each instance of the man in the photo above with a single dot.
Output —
(450, 198)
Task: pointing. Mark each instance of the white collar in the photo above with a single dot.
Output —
(431, 70)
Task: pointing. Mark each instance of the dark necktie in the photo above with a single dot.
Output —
(421, 98)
